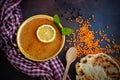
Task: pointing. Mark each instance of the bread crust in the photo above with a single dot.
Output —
(110, 65)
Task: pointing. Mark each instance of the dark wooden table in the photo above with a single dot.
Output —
(106, 12)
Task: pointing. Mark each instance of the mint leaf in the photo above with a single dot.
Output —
(66, 31)
(56, 19)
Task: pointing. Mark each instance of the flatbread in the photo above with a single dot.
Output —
(97, 67)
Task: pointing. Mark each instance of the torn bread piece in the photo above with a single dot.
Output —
(98, 67)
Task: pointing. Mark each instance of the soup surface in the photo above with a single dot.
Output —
(31, 44)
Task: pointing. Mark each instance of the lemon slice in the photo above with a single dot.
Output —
(46, 33)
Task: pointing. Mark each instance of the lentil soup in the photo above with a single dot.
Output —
(34, 49)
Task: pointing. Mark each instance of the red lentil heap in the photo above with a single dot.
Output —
(84, 40)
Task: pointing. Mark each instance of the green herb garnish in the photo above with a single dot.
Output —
(64, 30)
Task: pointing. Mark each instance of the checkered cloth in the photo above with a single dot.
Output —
(10, 19)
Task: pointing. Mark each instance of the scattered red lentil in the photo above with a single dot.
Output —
(93, 18)
(107, 26)
(70, 19)
(84, 40)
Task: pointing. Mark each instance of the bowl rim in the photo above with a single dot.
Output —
(18, 38)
